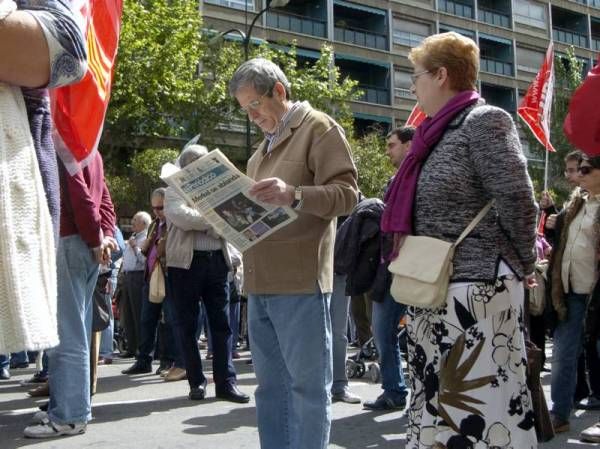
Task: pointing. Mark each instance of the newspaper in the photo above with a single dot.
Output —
(214, 186)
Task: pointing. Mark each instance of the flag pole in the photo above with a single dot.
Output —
(546, 172)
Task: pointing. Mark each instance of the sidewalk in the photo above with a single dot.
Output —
(145, 412)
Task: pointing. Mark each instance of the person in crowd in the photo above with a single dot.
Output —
(41, 46)
(235, 281)
(134, 264)
(198, 262)
(387, 312)
(304, 162)
(153, 249)
(361, 310)
(574, 273)
(86, 240)
(12, 361)
(467, 357)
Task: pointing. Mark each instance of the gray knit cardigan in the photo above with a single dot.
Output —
(479, 158)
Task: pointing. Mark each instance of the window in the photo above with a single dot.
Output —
(237, 4)
(466, 33)
(402, 85)
(410, 33)
(531, 13)
(529, 60)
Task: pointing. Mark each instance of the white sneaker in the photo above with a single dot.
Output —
(346, 396)
(48, 429)
(39, 417)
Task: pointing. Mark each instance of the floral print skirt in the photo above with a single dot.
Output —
(467, 365)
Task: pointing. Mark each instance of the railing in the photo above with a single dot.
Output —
(374, 94)
(400, 92)
(407, 38)
(237, 4)
(595, 3)
(494, 17)
(497, 66)
(456, 8)
(581, 2)
(596, 44)
(570, 37)
(296, 23)
(364, 38)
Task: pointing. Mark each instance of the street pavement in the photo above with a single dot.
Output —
(143, 411)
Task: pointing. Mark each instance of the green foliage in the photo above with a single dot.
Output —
(155, 89)
(373, 165)
(568, 76)
(131, 188)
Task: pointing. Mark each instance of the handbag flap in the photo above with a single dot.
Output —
(422, 258)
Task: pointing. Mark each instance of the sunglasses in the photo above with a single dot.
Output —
(158, 207)
(585, 169)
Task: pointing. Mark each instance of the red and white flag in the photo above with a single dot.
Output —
(78, 110)
(416, 116)
(536, 106)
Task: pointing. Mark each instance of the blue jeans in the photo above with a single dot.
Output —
(339, 307)
(4, 361)
(386, 316)
(106, 340)
(207, 279)
(69, 362)
(568, 344)
(290, 337)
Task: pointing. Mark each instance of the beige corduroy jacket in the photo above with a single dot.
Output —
(311, 152)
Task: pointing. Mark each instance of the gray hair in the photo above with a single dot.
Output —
(190, 153)
(158, 192)
(261, 74)
(144, 217)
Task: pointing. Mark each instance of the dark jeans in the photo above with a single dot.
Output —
(207, 279)
(133, 284)
(148, 328)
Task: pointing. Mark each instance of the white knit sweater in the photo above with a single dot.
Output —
(27, 254)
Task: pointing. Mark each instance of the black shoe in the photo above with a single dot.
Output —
(4, 374)
(384, 403)
(233, 394)
(138, 368)
(198, 393)
(44, 407)
(164, 366)
(126, 355)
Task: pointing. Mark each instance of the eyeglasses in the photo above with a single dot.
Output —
(415, 76)
(158, 207)
(254, 104)
(585, 169)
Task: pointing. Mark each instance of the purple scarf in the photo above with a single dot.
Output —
(398, 213)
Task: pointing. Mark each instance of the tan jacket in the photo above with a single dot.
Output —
(311, 152)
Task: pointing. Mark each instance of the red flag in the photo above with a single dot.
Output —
(542, 223)
(537, 104)
(582, 124)
(78, 110)
(416, 116)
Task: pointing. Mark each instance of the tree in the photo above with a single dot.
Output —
(568, 76)
(374, 167)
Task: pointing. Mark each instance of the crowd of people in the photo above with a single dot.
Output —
(467, 383)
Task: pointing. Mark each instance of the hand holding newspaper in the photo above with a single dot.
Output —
(214, 186)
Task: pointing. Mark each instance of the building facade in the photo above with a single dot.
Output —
(372, 38)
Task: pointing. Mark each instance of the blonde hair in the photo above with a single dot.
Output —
(457, 53)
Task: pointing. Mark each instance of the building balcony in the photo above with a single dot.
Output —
(407, 38)
(595, 3)
(569, 37)
(361, 37)
(237, 4)
(374, 94)
(457, 8)
(296, 23)
(494, 17)
(496, 66)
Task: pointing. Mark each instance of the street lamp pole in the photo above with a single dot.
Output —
(246, 45)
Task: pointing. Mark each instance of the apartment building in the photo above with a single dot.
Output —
(372, 38)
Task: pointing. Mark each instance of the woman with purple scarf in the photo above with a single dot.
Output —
(466, 358)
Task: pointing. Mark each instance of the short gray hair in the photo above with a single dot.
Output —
(191, 153)
(158, 192)
(144, 217)
(261, 74)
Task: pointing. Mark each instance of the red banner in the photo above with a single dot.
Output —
(536, 106)
(78, 110)
(416, 117)
(582, 124)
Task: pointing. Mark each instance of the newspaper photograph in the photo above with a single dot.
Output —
(214, 186)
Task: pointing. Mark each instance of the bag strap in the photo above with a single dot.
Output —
(482, 213)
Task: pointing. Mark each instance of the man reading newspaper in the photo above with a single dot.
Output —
(304, 162)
